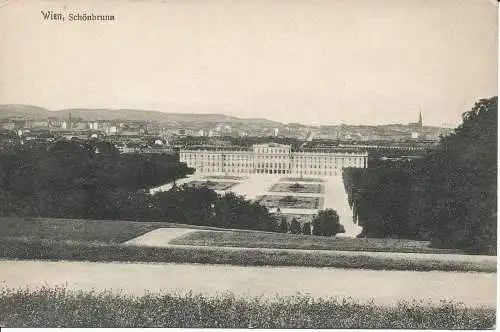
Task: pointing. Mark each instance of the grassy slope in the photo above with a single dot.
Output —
(101, 231)
(290, 241)
(62, 308)
(100, 252)
(99, 241)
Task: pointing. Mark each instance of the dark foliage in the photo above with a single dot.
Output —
(327, 223)
(306, 228)
(295, 227)
(283, 225)
(91, 179)
(449, 197)
(79, 179)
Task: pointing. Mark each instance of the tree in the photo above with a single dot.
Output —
(69, 179)
(283, 225)
(232, 211)
(461, 182)
(326, 223)
(448, 197)
(294, 226)
(306, 228)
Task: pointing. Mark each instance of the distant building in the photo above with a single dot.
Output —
(153, 129)
(271, 159)
(416, 127)
(111, 130)
(57, 123)
(93, 125)
(9, 125)
(39, 124)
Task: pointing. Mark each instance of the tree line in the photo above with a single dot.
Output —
(77, 179)
(448, 197)
(91, 179)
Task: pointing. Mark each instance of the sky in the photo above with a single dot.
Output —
(307, 61)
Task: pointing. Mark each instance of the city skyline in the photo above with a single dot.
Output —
(66, 114)
(316, 62)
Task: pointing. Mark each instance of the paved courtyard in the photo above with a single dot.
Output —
(307, 200)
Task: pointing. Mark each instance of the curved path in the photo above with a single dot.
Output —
(161, 238)
(384, 287)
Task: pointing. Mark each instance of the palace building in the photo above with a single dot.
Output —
(271, 159)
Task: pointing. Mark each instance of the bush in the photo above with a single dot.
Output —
(326, 223)
(283, 225)
(295, 226)
(306, 228)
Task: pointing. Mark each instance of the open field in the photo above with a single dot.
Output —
(106, 231)
(102, 241)
(310, 242)
(81, 230)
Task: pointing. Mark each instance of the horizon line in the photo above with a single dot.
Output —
(443, 125)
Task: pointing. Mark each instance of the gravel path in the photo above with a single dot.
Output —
(160, 238)
(384, 287)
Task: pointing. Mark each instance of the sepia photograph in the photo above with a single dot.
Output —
(250, 164)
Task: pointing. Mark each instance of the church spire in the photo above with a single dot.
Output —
(420, 118)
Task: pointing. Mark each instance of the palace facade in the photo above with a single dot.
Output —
(271, 159)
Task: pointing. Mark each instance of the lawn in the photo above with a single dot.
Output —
(100, 241)
(291, 241)
(213, 185)
(225, 177)
(292, 202)
(104, 231)
(301, 179)
(313, 188)
(15, 248)
(59, 307)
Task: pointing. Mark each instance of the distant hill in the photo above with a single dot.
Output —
(28, 112)
(22, 112)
